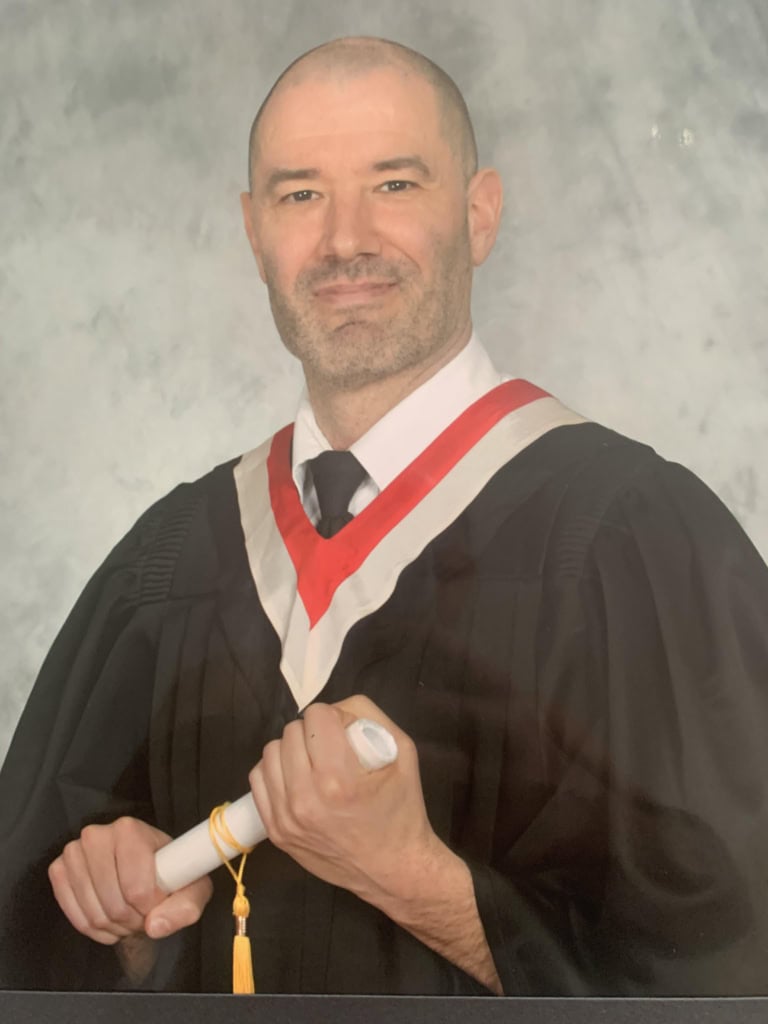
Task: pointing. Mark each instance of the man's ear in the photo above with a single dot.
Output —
(485, 199)
(246, 204)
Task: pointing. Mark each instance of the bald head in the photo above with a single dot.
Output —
(358, 56)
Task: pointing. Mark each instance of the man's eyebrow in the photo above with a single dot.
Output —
(404, 163)
(284, 174)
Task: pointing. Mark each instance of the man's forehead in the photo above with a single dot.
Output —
(361, 148)
(382, 100)
(331, 132)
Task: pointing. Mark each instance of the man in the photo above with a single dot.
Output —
(565, 634)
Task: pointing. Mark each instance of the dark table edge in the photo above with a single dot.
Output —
(18, 1007)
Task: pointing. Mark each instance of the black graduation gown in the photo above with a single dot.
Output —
(581, 659)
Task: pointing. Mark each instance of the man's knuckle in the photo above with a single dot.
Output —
(135, 892)
(116, 911)
(293, 727)
(406, 747)
(271, 752)
(277, 833)
(126, 829)
(301, 811)
(312, 712)
(71, 854)
(91, 836)
(100, 920)
(57, 871)
(331, 789)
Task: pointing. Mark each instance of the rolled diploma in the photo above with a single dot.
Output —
(193, 855)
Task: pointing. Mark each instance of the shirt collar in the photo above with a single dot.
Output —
(406, 430)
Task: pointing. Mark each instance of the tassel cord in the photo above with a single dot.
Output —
(242, 961)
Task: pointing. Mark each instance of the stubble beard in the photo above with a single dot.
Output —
(345, 349)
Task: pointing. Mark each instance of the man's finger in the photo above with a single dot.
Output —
(179, 910)
(98, 895)
(77, 898)
(261, 797)
(272, 772)
(295, 756)
(327, 745)
(74, 913)
(100, 851)
(360, 706)
(135, 847)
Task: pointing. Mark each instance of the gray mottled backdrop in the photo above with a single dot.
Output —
(630, 277)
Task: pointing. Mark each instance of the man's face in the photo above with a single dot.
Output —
(358, 219)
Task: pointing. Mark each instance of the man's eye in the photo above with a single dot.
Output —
(396, 186)
(302, 196)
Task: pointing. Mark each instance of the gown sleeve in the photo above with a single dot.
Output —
(644, 872)
(68, 765)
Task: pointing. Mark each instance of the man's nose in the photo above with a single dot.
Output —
(349, 228)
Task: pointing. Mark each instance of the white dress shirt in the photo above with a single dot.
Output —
(403, 433)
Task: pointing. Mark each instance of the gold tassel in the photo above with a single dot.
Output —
(242, 961)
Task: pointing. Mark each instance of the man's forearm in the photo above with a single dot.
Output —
(434, 899)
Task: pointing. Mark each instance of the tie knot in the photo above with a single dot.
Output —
(336, 476)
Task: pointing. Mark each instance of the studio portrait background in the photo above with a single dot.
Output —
(630, 277)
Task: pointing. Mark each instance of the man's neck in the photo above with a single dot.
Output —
(345, 415)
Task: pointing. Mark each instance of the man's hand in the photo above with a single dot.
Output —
(105, 884)
(346, 825)
(369, 831)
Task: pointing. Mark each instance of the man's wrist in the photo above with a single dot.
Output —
(421, 876)
(434, 899)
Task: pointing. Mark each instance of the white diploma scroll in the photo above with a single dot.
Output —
(193, 855)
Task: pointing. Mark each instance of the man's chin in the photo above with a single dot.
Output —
(356, 352)
(348, 369)
(362, 331)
